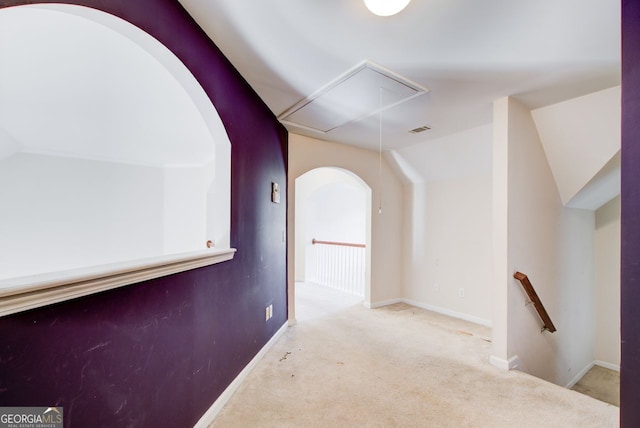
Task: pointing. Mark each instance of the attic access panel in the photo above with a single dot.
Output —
(362, 91)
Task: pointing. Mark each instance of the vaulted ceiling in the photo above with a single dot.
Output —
(330, 65)
(467, 53)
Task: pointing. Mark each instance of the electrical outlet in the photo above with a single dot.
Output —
(461, 293)
(267, 315)
(270, 311)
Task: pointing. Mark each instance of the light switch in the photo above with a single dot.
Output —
(275, 193)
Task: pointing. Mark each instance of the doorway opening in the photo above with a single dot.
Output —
(332, 244)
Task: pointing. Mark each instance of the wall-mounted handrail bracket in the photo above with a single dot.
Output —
(533, 298)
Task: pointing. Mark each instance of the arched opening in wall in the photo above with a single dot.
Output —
(332, 248)
(110, 150)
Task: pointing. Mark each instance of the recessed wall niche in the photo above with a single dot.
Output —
(110, 150)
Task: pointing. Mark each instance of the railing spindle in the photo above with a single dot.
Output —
(340, 265)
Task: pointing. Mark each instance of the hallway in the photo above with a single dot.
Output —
(314, 302)
(398, 366)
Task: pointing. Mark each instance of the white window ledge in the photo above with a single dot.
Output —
(28, 292)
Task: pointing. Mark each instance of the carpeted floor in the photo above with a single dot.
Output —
(314, 302)
(398, 366)
(600, 383)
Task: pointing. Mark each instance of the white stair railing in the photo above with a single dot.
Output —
(340, 265)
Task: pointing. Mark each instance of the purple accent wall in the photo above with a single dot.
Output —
(630, 233)
(159, 353)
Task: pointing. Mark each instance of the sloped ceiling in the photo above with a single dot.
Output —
(463, 154)
(581, 137)
(72, 87)
(467, 52)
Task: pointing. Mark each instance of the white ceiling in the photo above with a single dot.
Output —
(467, 52)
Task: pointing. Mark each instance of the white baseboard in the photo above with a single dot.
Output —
(215, 408)
(606, 365)
(510, 364)
(374, 305)
(577, 377)
(438, 309)
(449, 312)
(433, 308)
(589, 366)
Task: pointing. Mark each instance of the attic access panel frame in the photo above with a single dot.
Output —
(362, 91)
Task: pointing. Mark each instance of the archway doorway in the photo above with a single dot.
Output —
(332, 245)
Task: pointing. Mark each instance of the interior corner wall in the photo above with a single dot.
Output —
(449, 228)
(607, 283)
(307, 153)
(159, 353)
(551, 244)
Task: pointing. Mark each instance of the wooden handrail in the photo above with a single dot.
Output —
(533, 297)
(314, 241)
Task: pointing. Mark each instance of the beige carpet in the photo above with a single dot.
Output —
(398, 366)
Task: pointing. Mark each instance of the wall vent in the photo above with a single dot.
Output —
(420, 129)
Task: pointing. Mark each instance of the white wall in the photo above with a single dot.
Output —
(464, 154)
(579, 137)
(553, 245)
(451, 247)
(63, 213)
(185, 209)
(447, 218)
(336, 213)
(386, 275)
(607, 289)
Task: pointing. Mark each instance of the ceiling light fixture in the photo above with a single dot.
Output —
(386, 7)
